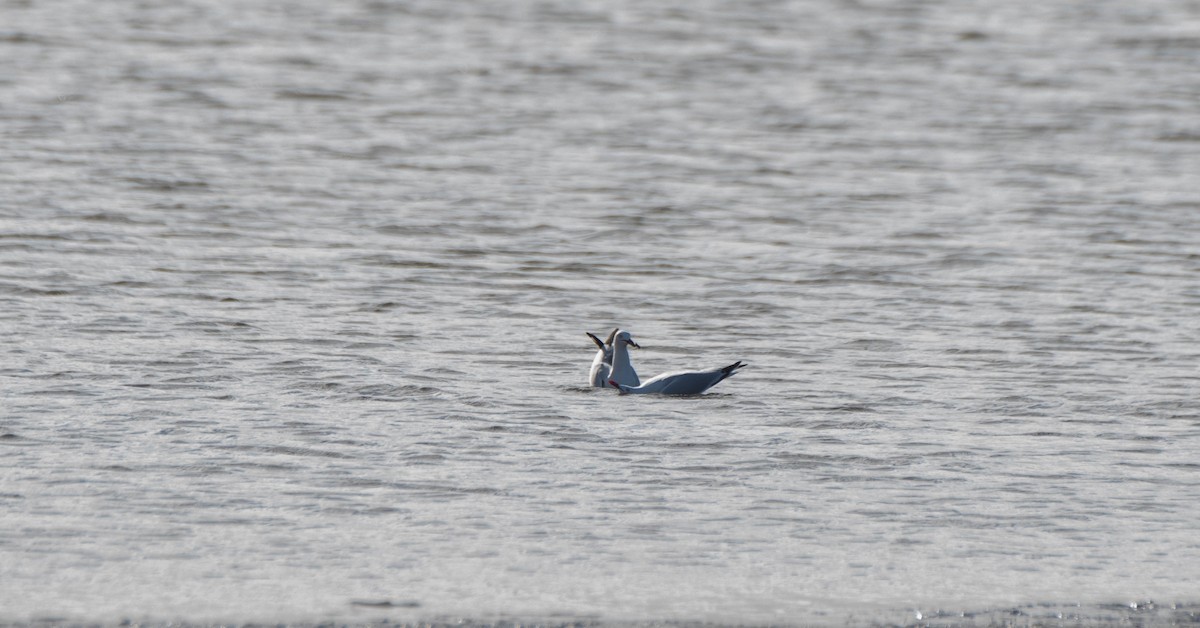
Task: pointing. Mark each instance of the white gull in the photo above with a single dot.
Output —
(601, 372)
(674, 383)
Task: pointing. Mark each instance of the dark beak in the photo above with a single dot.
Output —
(634, 344)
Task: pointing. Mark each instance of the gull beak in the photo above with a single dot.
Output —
(634, 344)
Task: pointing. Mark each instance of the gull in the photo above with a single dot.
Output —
(601, 372)
(675, 383)
(602, 363)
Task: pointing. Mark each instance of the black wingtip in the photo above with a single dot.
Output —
(732, 368)
(599, 343)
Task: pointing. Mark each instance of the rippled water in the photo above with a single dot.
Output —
(293, 299)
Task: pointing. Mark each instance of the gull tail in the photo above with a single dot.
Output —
(729, 371)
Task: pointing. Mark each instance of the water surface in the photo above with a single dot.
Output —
(293, 301)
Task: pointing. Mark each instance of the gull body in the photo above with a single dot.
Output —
(601, 371)
(601, 364)
(622, 373)
(680, 382)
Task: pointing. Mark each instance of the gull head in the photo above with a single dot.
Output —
(624, 338)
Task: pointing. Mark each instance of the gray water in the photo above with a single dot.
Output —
(293, 300)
